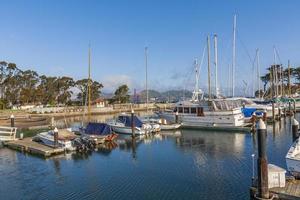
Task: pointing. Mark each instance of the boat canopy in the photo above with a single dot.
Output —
(127, 120)
(98, 129)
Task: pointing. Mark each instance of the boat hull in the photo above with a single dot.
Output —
(126, 130)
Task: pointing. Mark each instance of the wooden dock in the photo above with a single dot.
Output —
(291, 191)
(29, 146)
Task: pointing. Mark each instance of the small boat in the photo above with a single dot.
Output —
(164, 125)
(155, 126)
(123, 123)
(100, 132)
(64, 139)
(293, 159)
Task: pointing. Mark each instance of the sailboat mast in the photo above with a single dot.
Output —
(216, 64)
(258, 71)
(89, 84)
(146, 65)
(289, 78)
(208, 66)
(233, 54)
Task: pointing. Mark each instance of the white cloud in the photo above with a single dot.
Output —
(112, 82)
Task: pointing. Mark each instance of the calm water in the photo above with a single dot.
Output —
(186, 164)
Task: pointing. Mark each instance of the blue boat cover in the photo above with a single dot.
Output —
(98, 129)
(248, 111)
(127, 121)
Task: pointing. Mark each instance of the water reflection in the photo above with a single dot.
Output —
(182, 164)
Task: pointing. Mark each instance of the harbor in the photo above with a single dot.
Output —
(167, 100)
(210, 160)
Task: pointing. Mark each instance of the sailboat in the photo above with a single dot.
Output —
(200, 113)
(99, 132)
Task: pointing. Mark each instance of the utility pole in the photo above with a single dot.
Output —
(216, 64)
(208, 66)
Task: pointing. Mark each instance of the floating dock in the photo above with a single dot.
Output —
(29, 146)
(289, 192)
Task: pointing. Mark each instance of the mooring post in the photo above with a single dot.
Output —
(284, 111)
(279, 112)
(176, 117)
(265, 116)
(294, 103)
(273, 111)
(52, 123)
(55, 137)
(290, 110)
(295, 128)
(253, 120)
(132, 123)
(262, 163)
(12, 121)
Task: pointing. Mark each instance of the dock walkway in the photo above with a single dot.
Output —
(291, 191)
(29, 146)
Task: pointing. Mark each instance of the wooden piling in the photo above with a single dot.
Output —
(262, 163)
(273, 111)
(295, 128)
(55, 135)
(132, 123)
(176, 117)
(12, 121)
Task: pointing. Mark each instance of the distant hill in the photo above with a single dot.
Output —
(167, 96)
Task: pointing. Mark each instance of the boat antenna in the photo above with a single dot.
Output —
(289, 79)
(208, 66)
(216, 64)
(233, 54)
(89, 85)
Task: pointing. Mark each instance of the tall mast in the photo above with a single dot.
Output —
(146, 65)
(289, 79)
(208, 66)
(233, 54)
(216, 64)
(195, 96)
(89, 85)
(275, 75)
(258, 72)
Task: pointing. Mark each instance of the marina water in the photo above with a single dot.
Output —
(186, 164)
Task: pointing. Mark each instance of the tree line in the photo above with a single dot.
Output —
(278, 75)
(21, 87)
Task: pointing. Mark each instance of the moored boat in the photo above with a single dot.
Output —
(64, 139)
(100, 132)
(293, 159)
(123, 124)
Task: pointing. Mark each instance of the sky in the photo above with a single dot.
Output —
(52, 37)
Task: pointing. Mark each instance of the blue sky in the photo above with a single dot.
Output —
(52, 37)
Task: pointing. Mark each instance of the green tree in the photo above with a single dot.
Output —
(82, 85)
(121, 94)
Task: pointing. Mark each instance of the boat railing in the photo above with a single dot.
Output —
(7, 133)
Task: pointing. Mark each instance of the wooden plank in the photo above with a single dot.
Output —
(29, 146)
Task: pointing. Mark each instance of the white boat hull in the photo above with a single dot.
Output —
(169, 126)
(126, 130)
(48, 140)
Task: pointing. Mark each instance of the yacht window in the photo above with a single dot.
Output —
(186, 110)
(180, 109)
(193, 110)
